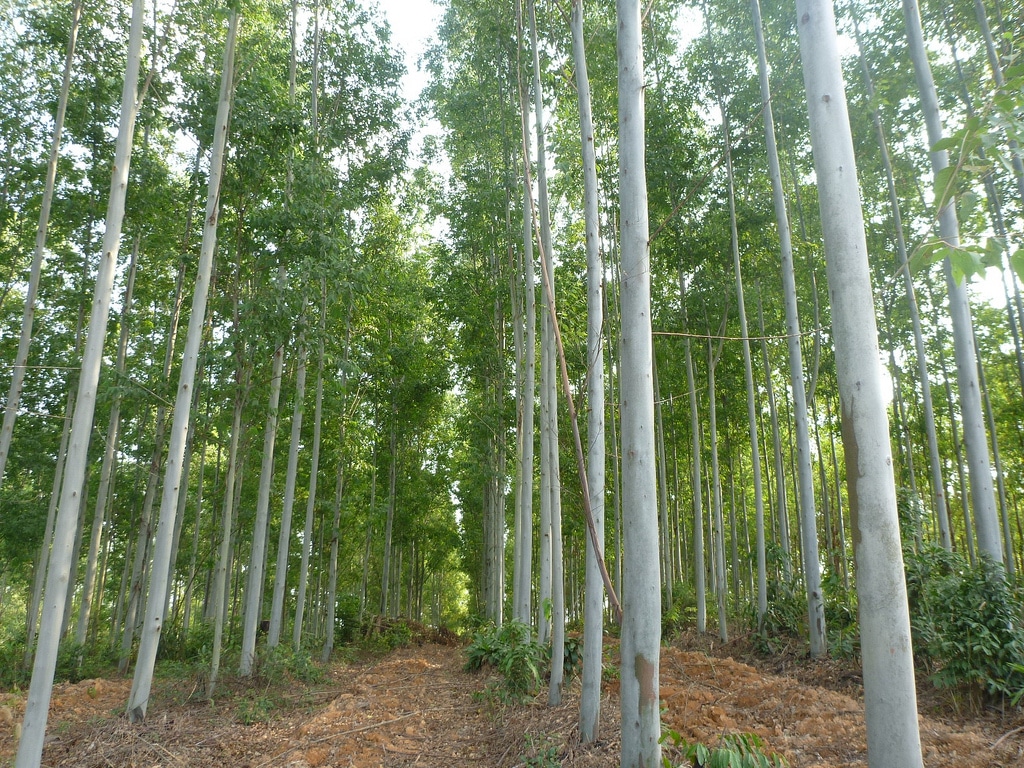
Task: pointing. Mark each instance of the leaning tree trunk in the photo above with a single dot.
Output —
(35, 272)
(805, 473)
(889, 693)
(30, 748)
(986, 519)
(109, 460)
(748, 369)
(156, 605)
(641, 599)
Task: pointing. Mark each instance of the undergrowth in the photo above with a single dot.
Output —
(512, 651)
(733, 750)
(966, 624)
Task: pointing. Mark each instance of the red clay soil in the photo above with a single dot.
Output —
(417, 706)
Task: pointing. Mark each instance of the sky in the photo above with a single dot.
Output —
(413, 23)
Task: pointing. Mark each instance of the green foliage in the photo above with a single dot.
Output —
(540, 753)
(734, 750)
(282, 664)
(966, 623)
(192, 647)
(674, 617)
(573, 656)
(81, 662)
(255, 710)
(512, 651)
(785, 619)
(841, 623)
(346, 619)
(383, 635)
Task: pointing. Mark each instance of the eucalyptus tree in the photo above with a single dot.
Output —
(473, 71)
(889, 691)
(156, 604)
(526, 334)
(30, 746)
(21, 357)
(590, 698)
(934, 463)
(805, 477)
(641, 599)
(975, 440)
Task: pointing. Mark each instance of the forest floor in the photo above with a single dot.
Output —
(417, 706)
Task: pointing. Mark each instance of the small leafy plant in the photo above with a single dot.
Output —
(512, 651)
(734, 750)
(966, 623)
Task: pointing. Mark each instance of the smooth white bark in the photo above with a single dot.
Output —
(254, 581)
(30, 747)
(149, 640)
(641, 598)
(284, 536)
(805, 472)
(979, 465)
(35, 271)
(593, 616)
(889, 693)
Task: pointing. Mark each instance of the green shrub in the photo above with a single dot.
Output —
(785, 619)
(282, 663)
(734, 750)
(346, 619)
(512, 651)
(965, 623)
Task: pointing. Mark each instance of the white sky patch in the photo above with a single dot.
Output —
(413, 24)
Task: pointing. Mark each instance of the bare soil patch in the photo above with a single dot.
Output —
(417, 706)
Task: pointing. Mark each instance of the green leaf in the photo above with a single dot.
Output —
(966, 206)
(1017, 262)
(995, 247)
(945, 182)
(967, 262)
(946, 144)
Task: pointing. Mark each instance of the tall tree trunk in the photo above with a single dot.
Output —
(254, 580)
(641, 599)
(284, 538)
(889, 692)
(523, 554)
(805, 473)
(718, 529)
(30, 747)
(109, 459)
(332, 577)
(314, 469)
(43, 559)
(25, 341)
(142, 682)
(934, 460)
(665, 552)
(549, 470)
(975, 440)
(696, 481)
(748, 368)
(221, 582)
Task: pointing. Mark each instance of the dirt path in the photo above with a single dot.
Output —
(418, 707)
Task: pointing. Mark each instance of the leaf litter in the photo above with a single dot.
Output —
(417, 706)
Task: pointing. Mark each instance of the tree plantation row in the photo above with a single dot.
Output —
(639, 317)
